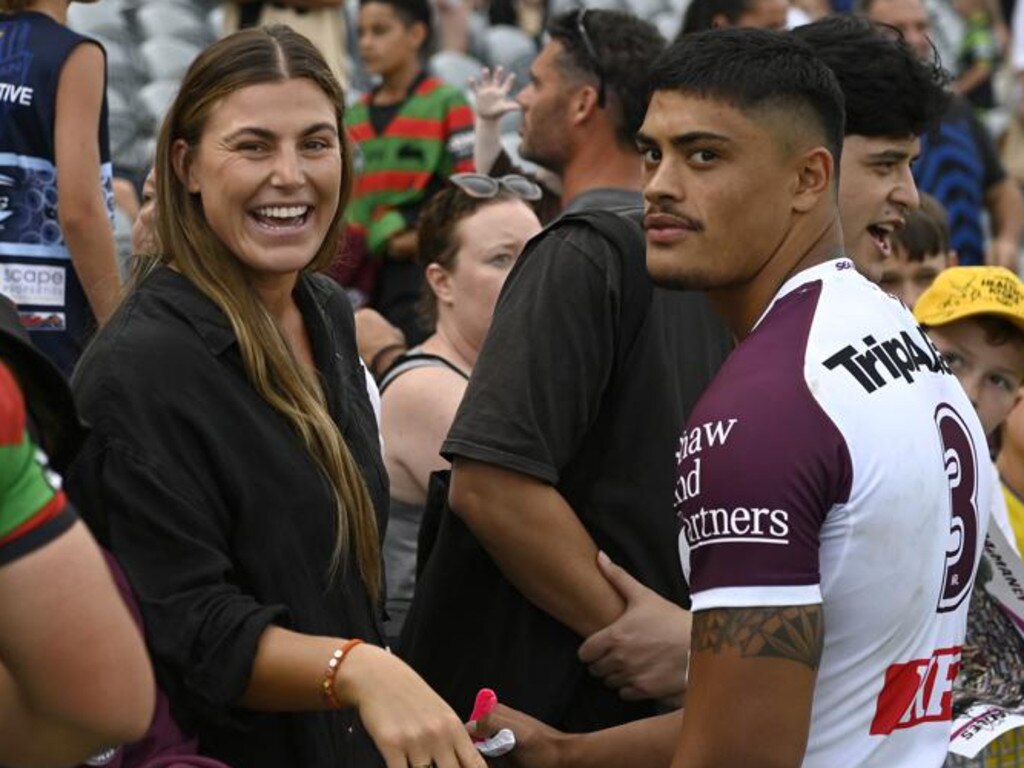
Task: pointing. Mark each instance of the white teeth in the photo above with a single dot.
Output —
(283, 212)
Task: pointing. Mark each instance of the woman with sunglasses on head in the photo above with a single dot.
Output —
(470, 235)
(233, 466)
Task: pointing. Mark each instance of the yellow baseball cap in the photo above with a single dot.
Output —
(960, 292)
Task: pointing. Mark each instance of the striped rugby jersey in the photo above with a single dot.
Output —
(429, 138)
(33, 509)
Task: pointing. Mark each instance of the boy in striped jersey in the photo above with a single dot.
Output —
(412, 132)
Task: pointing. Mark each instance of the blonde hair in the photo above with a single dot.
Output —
(250, 57)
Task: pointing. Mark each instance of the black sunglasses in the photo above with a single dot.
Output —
(480, 186)
(595, 63)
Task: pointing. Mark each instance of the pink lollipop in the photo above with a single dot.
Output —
(486, 700)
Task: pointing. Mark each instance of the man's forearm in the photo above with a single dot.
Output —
(538, 542)
(649, 743)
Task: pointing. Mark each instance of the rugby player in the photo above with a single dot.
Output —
(831, 514)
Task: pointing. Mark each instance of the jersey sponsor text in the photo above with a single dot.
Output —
(915, 692)
(901, 357)
(16, 94)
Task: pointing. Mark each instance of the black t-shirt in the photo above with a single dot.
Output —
(220, 518)
(556, 394)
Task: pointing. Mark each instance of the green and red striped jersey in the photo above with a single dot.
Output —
(33, 510)
(429, 138)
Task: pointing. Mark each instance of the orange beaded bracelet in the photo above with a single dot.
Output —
(327, 686)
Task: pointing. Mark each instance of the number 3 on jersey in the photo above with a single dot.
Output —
(961, 460)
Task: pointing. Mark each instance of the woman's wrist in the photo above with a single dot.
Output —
(350, 678)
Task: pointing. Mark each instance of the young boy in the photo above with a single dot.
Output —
(412, 132)
(975, 318)
(920, 251)
(57, 255)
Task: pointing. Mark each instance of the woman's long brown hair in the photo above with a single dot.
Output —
(267, 55)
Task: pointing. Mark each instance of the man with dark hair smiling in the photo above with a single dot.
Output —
(828, 496)
(959, 162)
(892, 97)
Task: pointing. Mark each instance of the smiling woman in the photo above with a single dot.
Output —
(234, 466)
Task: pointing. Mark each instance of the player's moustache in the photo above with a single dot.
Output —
(659, 217)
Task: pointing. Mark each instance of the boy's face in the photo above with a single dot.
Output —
(386, 42)
(907, 280)
(990, 374)
(876, 192)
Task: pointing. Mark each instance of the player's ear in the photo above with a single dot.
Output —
(815, 175)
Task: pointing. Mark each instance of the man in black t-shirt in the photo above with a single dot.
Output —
(565, 441)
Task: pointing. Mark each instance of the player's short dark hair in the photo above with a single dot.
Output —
(889, 91)
(626, 46)
(755, 69)
(410, 12)
(700, 14)
(926, 232)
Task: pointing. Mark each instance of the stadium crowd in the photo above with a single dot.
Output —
(517, 383)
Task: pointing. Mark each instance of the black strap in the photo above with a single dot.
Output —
(412, 360)
(623, 228)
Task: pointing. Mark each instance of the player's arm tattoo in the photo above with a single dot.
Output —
(788, 632)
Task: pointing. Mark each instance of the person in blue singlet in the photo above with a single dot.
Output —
(57, 255)
(470, 236)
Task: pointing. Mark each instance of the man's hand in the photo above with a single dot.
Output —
(537, 745)
(643, 654)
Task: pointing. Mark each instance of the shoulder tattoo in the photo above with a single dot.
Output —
(793, 632)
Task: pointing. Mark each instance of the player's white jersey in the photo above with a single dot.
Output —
(835, 460)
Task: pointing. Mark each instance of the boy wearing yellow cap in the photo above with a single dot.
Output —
(975, 318)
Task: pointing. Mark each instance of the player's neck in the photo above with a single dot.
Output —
(55, 9)
(807, 245)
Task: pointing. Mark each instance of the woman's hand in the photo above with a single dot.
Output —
(410, 724)
(491, 93)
